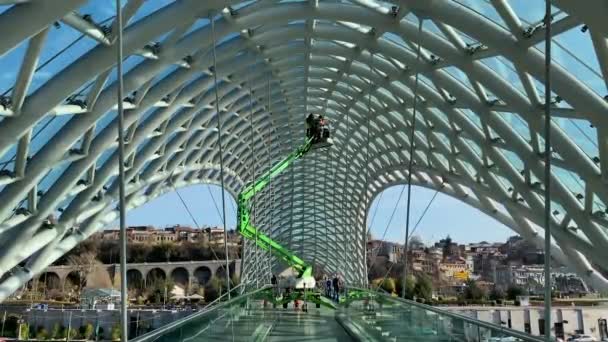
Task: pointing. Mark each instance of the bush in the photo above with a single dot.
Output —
(25, 331)
(473, 291)
(11, 325)
(71, 334)
(57, 331)
(212, 289)
(115, 333)
(389, 285)
(517, 302)
(424, 288)
(42, 333)
(86, 331)
(497, 294)
(410, 286)
(513, 292)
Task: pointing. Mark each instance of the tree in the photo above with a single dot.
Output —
(85, 264)
(109, 251)
(213, 288)
(389, 285)
(235, 279)
(319, 272)
(410, 286)
(497, 293)
(513, 291)
(446, 246)
(163, 252)
(378, 267)
(473, 291)
(424, 287)
(138, 252)
(415, 242)
(158, 288)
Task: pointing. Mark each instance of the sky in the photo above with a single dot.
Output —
(445, 216)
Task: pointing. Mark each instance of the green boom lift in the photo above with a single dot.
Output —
(249, 231)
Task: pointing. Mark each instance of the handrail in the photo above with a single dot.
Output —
(153, 335)
(511, 332)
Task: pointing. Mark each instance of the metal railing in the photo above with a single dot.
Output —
(213, 307)
(494, 329)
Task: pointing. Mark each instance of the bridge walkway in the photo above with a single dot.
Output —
(375, 317)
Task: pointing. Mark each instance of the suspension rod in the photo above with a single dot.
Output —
(219, 142)
(410, 165)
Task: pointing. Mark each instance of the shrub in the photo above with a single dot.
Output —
(497, 294)
(25, 331)
(11, 325)
(473, 291)
(513, 292)
(71, 334)
(42, 333)
(389, 285)
(86, 331)
(115, 333)
(212, 289)
(57, 331)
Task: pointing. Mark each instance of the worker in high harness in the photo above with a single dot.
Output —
(317, 128)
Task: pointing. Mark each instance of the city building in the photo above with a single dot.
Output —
(530, 278)
(452, 268)
(391, 250)
(176, 234)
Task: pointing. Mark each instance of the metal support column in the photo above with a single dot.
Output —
(547, 315)
(121, 178)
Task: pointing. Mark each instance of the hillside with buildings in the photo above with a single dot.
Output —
(151, 244)
(493, 268)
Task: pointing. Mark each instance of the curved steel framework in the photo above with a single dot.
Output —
(478, 131)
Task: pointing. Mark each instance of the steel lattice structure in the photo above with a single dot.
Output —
(478, 133)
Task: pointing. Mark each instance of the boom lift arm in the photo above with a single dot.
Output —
(245, 227)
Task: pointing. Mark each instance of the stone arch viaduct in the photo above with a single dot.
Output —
(183, 273)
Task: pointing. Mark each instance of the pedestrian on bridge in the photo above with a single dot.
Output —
(336, 286)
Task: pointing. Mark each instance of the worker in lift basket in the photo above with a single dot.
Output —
(310, 122)
(324, 128)
(321, 128)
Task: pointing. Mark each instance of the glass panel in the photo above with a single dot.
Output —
(376, 316)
